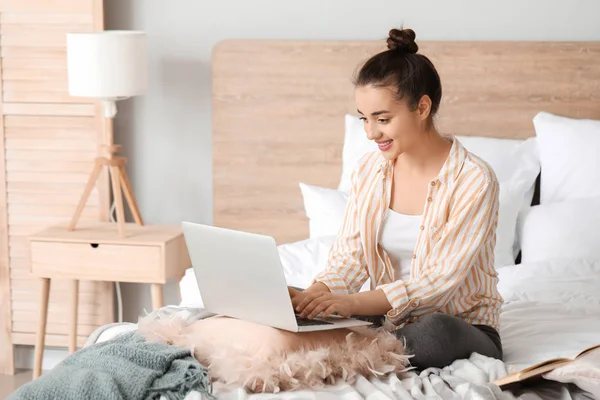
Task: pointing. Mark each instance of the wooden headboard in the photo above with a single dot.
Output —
(279, 105)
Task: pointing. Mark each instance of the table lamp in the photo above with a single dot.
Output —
(108, 66)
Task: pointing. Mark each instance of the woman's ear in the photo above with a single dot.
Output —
(424, 107)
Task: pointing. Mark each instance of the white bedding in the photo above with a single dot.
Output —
(551, 309)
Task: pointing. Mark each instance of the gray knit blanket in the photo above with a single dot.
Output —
(126, 367)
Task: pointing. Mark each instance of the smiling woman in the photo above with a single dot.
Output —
(398, 93)
(420, 221)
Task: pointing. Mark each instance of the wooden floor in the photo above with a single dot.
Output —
(9, 384)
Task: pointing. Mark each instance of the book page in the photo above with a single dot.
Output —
(544, 363)
(532, 372)
(588, 350)
(544, 368)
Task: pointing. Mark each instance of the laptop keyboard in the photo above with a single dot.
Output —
(310, 322)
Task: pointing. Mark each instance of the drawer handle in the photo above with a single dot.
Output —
(94, 245)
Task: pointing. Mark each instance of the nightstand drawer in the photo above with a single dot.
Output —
(97, 261)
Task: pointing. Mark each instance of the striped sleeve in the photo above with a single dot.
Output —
(472, 221)
(346, 266)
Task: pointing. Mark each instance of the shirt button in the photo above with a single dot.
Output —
(429, 199)
(422, 227)
(432, 183)
(414, 256)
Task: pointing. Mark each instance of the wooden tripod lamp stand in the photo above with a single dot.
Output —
(108, 66)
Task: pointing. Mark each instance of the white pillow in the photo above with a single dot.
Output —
(568, 156)
(505, 156)
(325, 209)
(305, 259)
(511, 202)
(355, 146)
(564, 229)
(190, 293)
(512, 160)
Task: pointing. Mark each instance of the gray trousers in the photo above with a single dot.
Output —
(438, 339)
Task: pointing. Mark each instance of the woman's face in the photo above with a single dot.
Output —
(389, 122)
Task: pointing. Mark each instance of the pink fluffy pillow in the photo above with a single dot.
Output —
(264, 359)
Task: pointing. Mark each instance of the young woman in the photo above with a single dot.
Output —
(420, 222)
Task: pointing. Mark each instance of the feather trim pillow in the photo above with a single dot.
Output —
(264, 359)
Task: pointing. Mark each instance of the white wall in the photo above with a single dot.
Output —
(167, 133)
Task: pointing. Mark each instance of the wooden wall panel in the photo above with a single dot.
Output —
(80, 110)
(15, 17)
(56, 7)
(7, 365)
(48, 142)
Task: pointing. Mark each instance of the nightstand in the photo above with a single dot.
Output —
(150, 254)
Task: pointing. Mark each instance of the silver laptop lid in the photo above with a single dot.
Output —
(240, 275)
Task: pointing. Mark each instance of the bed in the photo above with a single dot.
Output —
(285, 139)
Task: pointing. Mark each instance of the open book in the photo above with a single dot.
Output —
(537, 370)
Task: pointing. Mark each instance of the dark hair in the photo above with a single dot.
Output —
(412, 75)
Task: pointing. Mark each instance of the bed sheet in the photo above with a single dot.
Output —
(466, 379)
(551, 309)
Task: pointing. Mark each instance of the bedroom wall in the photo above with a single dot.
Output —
(167, 133)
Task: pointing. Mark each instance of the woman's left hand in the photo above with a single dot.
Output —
(313, 304)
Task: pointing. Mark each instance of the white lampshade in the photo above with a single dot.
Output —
(107, 65)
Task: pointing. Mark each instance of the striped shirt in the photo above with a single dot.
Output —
(453, 263)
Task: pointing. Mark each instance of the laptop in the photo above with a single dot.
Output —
(240, 275)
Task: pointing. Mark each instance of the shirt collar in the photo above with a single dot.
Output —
(454, 162)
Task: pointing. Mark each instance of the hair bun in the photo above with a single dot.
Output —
(402, 40)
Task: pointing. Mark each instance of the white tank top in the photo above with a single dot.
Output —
(398, 238)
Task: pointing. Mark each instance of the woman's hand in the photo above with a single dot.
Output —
(298, 295)
(293, 293)
(312, 304)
